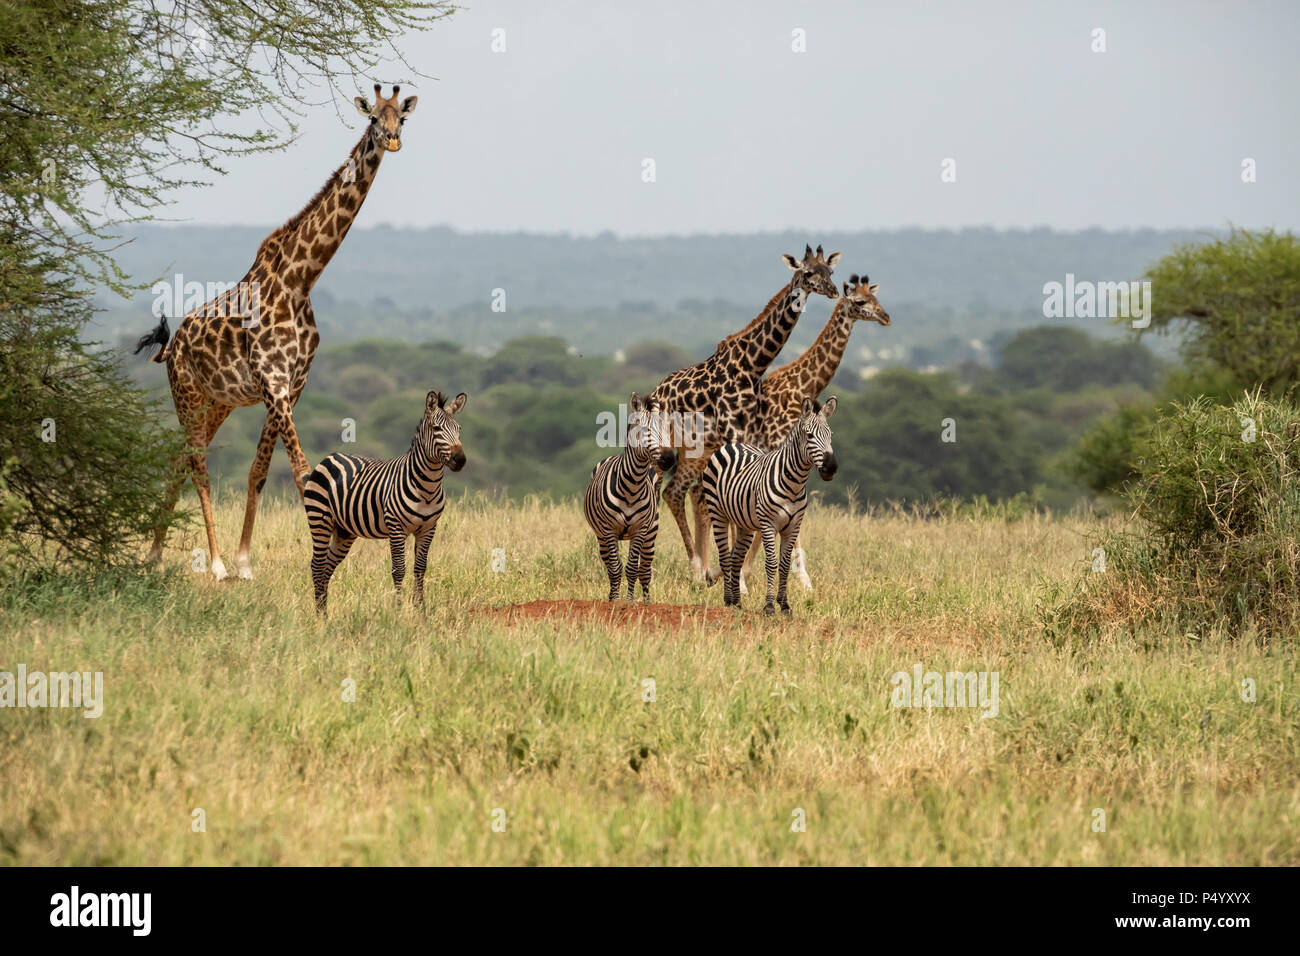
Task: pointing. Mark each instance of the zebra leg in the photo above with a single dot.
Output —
(787, 546)
(743, 537)
(720, 538)
(613, 566)
(769, 551)
(326, 556)
(397, 546)
(648, 535)
(633, 568)
(422, 543)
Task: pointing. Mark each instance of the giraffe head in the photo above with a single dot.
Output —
(648, 431)
(812, 273)
(386, 117)
(814, 435)
(861, 303)
(439, 433)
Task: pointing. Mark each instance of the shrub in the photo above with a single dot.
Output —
(1214, 538)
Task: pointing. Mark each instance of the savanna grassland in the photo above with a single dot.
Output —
(229, 697)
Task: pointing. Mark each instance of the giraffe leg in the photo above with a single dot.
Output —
(701, 512)
(799, 562)
(397, 547)
(769, 550)
(749, 560)
(256, 481)
(689, 469)
(279, 416)
(422, 543)
(199, 435)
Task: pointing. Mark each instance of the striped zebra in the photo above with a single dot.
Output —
(766, 492)
(622, 499)
(349, 497)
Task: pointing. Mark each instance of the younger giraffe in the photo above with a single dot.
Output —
(255, 343)
(781, 394)
(719, 396)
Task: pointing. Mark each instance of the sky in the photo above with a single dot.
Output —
(855, 131)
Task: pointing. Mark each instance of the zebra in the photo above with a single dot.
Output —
(622, 499)
(349, 497)
(767, 492)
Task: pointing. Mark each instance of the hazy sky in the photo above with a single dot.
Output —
(748, 135)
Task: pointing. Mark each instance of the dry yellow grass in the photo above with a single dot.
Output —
(229, 698)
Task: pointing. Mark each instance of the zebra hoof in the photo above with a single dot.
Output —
(768, 609)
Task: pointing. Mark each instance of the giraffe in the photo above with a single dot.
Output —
(254, 344)
(720, 395)
(781, 394)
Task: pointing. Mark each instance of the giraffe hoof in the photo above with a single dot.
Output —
(219, 570)
(245, 570)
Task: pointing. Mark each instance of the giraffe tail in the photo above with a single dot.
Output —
(158, 335)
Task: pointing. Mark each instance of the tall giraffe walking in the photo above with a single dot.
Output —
(719, 396)
(254, 344)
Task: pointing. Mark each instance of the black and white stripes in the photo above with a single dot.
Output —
(766, 492)
(349, 497)
(622, 499)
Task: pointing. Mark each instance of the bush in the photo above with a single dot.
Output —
(1215, 543)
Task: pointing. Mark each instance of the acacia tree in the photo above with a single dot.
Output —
(107, 108)
(1237, 303)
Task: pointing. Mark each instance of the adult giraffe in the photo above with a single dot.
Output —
(781, 394)
(254, 344)
(720, 395)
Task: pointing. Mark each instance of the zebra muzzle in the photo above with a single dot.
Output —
(829, 467)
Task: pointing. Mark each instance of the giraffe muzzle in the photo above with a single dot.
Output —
(394, 144)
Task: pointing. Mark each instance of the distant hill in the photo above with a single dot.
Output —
(944, 288)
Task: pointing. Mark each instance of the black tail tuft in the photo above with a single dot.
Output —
(159, 335)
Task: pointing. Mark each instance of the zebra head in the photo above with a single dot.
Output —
(813, 436)
(860, 300)
(812, 273)
(439, 434)
(648, 432)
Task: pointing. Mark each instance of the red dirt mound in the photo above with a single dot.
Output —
(614, 613)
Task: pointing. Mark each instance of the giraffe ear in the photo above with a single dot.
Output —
(833, 259)
(790, 260)
(362, 106)
(873, 288)
(829, 408)
(408, 105)
(848, 290)
(456, 404)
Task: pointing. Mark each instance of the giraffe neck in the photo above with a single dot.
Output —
(814, 370)
(758, 344)
(299, 251)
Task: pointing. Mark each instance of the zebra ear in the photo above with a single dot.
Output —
(456, 404)
(634, 403)
(829, 408)
(431, 400)
(808, 407)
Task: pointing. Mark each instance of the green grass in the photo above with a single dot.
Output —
(228, 697)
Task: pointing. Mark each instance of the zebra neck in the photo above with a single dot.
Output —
(420, 465)
(793, 454)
